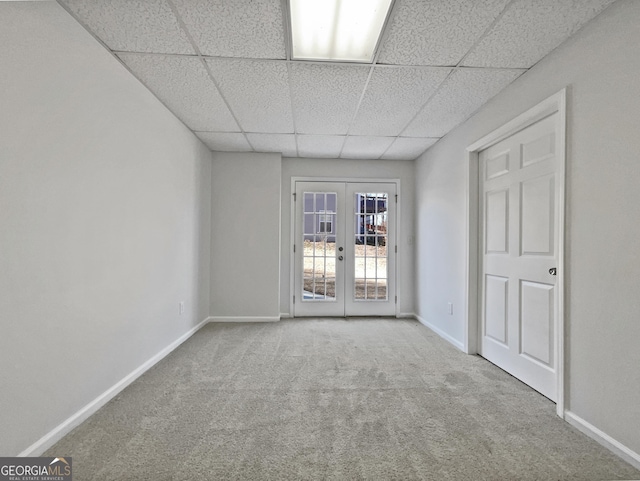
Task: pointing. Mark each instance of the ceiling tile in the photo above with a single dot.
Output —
(132, 25)
(184, 86)
(283, 143)
(320, 146)
(325, 97)
(225, 141)
(235, 28)
(436, 32)
(408, 148)
(530, 30)
(365, 147)
(462, 94)
(393, 97)
(257, 91)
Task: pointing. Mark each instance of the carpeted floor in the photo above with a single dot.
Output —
(330, 399)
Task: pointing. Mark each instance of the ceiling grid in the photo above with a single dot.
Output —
(457, 66)
(206, 66)
(437, 63)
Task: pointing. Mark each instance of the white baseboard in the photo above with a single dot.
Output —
(57, 433)
(441, 333)
(406, 315)
(603, 438)
(285, 315)
(244, 319)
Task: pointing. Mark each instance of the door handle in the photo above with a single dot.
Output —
(553, 271)
(340, 258)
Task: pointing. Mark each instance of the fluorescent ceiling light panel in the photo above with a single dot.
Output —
(346, 30)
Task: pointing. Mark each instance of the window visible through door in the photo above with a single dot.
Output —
(344, 264)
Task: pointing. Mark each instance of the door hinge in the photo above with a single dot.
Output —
(396, 249)
(294, 299)
(396, 198)
(396, 299)
(294, 247)
(294, 196)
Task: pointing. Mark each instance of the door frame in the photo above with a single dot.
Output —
(554, 104)
(292, 233)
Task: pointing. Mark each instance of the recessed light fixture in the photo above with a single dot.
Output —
(343, 30)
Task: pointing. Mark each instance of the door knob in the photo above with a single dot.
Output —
(553, 271)
(340, 249)
(340, 258)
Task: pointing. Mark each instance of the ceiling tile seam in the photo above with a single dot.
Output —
(286, 28)
(295, 139)
(389, 146)
(156, 54)
(442, 84)
(479, 108)
(224, 99)
(355, 114)
(250, 132)
(335, 63)
(439, 88)
(89, 31)
(493, 69)
(458, 65)
(201, 55)
(570, 36)
(411, 66)
(184, 28)
(385, 31)
(431, 97)
(289, 61)
(293, 110)
(283, 60)
(114, 54)
(381, 43)
(486, 32)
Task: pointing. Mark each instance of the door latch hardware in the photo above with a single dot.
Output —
(553, 271)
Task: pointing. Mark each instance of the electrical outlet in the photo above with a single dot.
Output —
(450, 308)
(181, 307)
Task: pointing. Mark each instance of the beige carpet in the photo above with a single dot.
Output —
(330, 399)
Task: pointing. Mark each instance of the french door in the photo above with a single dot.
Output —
(344, 249)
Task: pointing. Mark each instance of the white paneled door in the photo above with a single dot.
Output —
(344, 249)
(519, 206)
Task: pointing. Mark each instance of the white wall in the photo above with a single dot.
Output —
(245, 237)
(104, 214)
(342, 168)
(601, 67)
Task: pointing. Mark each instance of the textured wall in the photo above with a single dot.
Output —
(105, 222)
(245, 236)
(601, 67)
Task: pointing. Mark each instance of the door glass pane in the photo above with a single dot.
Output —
(370, 279)
(319, 244)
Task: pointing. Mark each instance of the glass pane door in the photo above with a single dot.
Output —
(319, 246)
(370, 246)
(370, 269)
(319, 249)
(344, 261)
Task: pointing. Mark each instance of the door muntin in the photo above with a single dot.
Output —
(344, 260)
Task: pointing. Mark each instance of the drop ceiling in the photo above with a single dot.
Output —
(224, 68)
